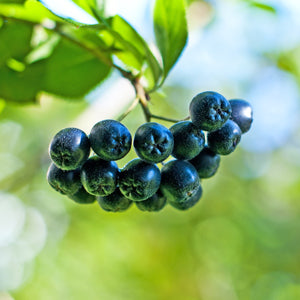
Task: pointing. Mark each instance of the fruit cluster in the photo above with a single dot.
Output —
(85, 179)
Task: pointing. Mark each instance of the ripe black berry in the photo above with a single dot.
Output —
(224, 140)
(69, 149)
(114, 202)
(99, 177)
(188, 140)
(179, 181)
(139, 180)
(110, 140)
(154, 203)
(65, 182)
(153, 142)
(242, 114)
(209, 111)
(206, 163)
(189, 202)
(82, 197)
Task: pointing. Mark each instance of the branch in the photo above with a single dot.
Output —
(143, 99)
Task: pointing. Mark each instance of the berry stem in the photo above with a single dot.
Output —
(130, 108)
(164, 118)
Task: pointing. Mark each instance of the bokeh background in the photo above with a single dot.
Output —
(241, 241)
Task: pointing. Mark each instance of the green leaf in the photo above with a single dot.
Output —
(15, 40)
(23, 86)
(86, 5)
(88, 37)
(71, 71)
(32, 11)
(18, 82)
(90, 5)
(66, 70)
(129, 34)
(126, 39)
(132, 49)
(170, 27)
(13, 1)
(62, 17)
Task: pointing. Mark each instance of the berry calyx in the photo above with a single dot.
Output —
(209, 111)
(64, 182)
(139, 180)
(153, 142)
(99, 177)
(110, 140)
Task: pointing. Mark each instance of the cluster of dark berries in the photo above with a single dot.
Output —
(85, 179)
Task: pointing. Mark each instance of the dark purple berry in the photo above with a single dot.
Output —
(110, 140)
(115, 202)
(224, 140)
(69, 149)
(155, 203)
(209, 111)
(189, 202)
(206, 163)
(99, 177)
(189, 140)
(179, 181)
(242, 114)
(65, 182)
(82, 197)
(139, 180)
(153, 142)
